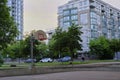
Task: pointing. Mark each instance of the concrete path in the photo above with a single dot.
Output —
(76, 75)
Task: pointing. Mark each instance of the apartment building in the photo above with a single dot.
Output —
(96, 17)
(16, 7)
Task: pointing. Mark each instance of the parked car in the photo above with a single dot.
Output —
(30, 60)
(64, 59)
(46, 60)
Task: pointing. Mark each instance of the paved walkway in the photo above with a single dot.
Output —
(76, 75)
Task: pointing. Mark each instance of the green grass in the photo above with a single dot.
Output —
(26, 65)
(7, 66)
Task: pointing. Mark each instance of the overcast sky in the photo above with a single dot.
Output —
(42, 14)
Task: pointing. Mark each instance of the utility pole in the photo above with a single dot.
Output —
(31, 50)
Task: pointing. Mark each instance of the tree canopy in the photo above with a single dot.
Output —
(101, 48)
(67, 41)
(8, 29)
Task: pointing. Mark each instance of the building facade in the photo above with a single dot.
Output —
(96, 17)
(16, 7)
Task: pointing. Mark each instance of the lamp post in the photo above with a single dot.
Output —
(31, 50)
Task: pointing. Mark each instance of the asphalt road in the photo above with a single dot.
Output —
(76, 75)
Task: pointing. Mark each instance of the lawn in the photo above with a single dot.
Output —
(26, 65)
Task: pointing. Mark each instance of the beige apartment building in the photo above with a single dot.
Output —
(96, 17)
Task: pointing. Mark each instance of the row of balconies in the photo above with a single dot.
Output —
(92, 4)
(103, 9)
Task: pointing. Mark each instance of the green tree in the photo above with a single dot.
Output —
(59, 41)
(10, 51)
(27, 48)
(67, 41)
(43, 51)
(51, 48)
(8, 29)
(115, 46)
(74, 39)
(14, 50)
(101, 48)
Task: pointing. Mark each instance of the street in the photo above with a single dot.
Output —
(76, 75)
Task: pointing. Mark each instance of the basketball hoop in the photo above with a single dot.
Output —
(40, 35)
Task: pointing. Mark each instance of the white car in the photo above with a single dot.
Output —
(46, 60)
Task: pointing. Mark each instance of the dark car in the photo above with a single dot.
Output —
(30, 60)
(64, 59)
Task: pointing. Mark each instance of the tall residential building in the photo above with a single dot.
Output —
(16, 7)
(95, 16)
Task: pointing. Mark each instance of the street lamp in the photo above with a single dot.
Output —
(31, 50)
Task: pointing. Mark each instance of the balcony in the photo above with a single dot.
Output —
(92, 5)
(118, 16)
(92, 1)
(102, 9)
(111, 14)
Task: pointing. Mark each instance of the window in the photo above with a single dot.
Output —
(83, 18)
(66, 12)
(65, 28)
(61, 24)
(93, 21)
(75, 22)
(94, 34)
(67, 18)
(94, 27)
(119, 28)
(93, 15)
(74, 11)
(74, 17)
(66, 24)
(98, 19)
(104, 30)
(85, 2)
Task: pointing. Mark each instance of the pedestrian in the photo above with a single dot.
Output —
(83, 59)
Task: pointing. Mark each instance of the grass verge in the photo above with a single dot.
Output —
(25, 65)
